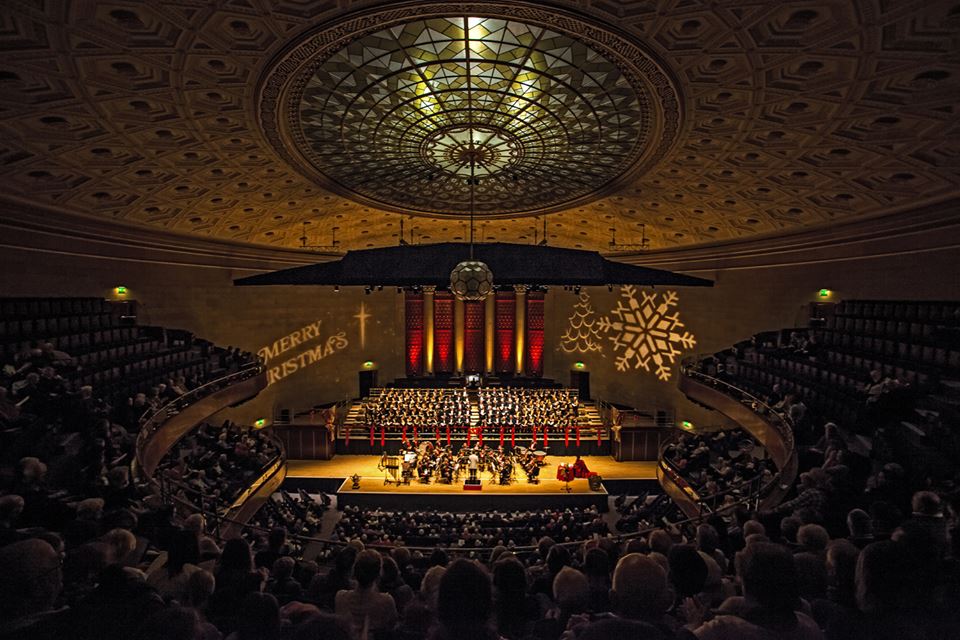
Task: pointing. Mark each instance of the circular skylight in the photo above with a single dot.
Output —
(399, 116)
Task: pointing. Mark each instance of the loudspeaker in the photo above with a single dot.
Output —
(595, 481)
(368, 380)
(580, 380)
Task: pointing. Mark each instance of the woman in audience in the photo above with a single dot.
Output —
(369, 610)
(235, 578)
(171, 578)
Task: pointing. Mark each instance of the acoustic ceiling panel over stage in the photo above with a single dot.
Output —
(418, 265)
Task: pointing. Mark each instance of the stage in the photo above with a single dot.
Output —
(333, 476)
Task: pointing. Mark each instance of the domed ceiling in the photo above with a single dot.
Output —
(403, 117)
(678, 122)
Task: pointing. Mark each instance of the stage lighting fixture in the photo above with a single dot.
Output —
(367, 289)
(576, 289)
(336, 288)
(379, 287)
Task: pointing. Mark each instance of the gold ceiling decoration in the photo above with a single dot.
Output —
(794, 115)
(555, 113)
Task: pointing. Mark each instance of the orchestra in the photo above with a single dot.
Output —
(428, 462)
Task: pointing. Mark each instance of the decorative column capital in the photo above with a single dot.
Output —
(430, 289)
(521, 289)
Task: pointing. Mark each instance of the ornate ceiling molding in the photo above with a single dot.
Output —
(387, 108)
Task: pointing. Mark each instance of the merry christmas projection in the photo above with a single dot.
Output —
(644, 333)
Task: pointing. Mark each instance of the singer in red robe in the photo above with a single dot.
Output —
(580, 469)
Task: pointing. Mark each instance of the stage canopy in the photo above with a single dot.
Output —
(431, 264)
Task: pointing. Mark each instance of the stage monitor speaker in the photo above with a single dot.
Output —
(595, 482)
(580, 380)
(368, 380)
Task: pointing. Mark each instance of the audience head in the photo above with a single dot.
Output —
(236, 557)
(769, 576)
(596, 564)
(200, 586)
(926, 503)
(171, 623)
(660, 541)
(859, 524)
(688, 571)
(751, 527)
(120, 544)
(707, 538)
(571, 590)
(465, 598)
(639, 587)
(367, 568)
(259, 617)
(789, 527)
(30, 578)
(283, 568)
(509, 580)
(430, 585)
(813, 537)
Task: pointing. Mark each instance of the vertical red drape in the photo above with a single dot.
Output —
(448, 435)
(443, 360)
(371, 436)
(505, 312)
(566, 437)
(473, 353)
(513, 436)
(578, 434)
(501, 436)
(413, 318)
(534, 338)
(545, 444)
(383, 437)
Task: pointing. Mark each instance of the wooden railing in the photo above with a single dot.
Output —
(771, 429)
(161, 429)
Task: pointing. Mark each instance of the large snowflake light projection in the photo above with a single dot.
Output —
(646, 333)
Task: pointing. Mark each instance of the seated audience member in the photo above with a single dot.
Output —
(30, 582)
(282, 584)
(364, 605)
(860, 528)
(768, 608)
(515, 613)
(235, 578)
(171, 578)
(259, 618)
(928, 515)
(639, 598)
(464, 603)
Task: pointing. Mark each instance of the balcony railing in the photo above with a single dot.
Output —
(161, 429)
(773, 430)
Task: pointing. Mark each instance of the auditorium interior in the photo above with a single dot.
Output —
(485, 320)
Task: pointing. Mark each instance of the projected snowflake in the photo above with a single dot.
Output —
(646, 333)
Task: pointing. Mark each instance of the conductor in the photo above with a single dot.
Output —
(473, 463)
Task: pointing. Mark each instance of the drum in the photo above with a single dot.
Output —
(540, 456)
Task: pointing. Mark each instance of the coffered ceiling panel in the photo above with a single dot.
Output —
(787, 115)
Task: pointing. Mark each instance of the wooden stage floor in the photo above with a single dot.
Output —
(372, 479)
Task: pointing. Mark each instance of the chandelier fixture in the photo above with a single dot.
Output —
(471, 280)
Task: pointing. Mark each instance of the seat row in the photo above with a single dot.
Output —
(46, 327)
(11, 308)
(931, 312)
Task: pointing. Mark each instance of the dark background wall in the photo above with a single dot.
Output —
(201, 298)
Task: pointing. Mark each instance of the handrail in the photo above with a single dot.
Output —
(152, 420)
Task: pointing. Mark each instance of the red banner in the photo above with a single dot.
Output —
(545, 443)
(578, 434)
(505, 311)
(566, 437)
(534, 341)
(383, 436)
(371, 436)
(443, 332)
(448, 435)
(513, 436)
(413, 316)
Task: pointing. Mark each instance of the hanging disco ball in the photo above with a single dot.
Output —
(471, 280)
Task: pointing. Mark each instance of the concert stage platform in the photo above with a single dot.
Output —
(333, 476)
